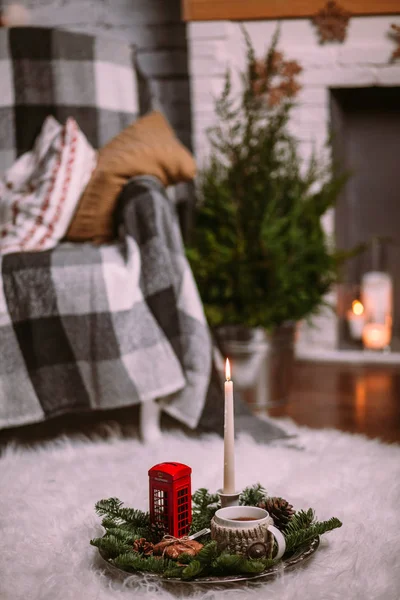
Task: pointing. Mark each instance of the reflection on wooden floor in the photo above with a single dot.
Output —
(360, 399)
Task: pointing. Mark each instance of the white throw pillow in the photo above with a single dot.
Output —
(40, 192)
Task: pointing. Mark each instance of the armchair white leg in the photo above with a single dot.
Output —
(149, 421)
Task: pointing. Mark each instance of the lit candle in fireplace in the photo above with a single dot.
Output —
(356, 320)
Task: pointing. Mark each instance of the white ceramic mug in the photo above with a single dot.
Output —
(230, 521)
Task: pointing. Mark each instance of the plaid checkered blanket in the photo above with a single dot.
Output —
(65, 74)
(85, 327)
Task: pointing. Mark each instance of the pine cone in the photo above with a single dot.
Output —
(142, 546)
(279, 509)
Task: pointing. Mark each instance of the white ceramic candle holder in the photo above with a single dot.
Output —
(228, 499)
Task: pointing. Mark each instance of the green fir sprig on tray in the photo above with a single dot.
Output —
(124, 526)
(253, 495)
(210, 562)
(132, 562)
(204, 506)
(300, 537)
(114, 509)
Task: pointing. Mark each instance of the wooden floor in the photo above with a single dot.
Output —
(361, 399)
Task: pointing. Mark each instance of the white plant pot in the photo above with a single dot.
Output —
(262, 363)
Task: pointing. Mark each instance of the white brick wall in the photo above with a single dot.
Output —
(362, 61)
(154, 26)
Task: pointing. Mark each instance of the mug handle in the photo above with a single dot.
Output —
(280, 540)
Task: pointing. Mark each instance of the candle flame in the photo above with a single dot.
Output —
(227, 370)
(357, 307)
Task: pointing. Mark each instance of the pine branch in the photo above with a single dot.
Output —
(210, 562)
(174, 571)
(250, 53)
(202, 499)
(236, 564)
(227, 564)
(185, 558)
(257, 565)
(111, 546)
(192, 570)
(109, 506)
(208, 553)
(299, 538)
(110, 523)
(204, 506)
(253, 495)
(272, 49)
(300, 520)
(132, 561)
(126, 537)
(113, 508)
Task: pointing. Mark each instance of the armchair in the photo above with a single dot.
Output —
(86, 327)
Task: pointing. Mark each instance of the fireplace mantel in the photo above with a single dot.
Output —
(247, 10)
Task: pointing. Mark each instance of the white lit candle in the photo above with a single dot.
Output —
(376, 336)
(229, 435)
(356, 319)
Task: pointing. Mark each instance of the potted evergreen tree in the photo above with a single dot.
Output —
(259, 253)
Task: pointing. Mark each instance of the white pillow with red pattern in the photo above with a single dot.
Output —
(40, 192)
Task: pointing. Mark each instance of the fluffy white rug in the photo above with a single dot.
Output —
(48, 494)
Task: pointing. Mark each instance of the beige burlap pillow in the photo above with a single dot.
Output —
(146, 147)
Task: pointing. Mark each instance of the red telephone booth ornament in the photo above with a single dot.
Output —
(170, 496)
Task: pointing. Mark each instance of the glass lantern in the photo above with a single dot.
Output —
(377, 296)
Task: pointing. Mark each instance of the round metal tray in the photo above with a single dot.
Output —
(297, 559)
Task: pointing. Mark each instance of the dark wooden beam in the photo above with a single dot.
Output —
(246, 10)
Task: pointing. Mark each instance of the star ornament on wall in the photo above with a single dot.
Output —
(332, 22)
(395, 35)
